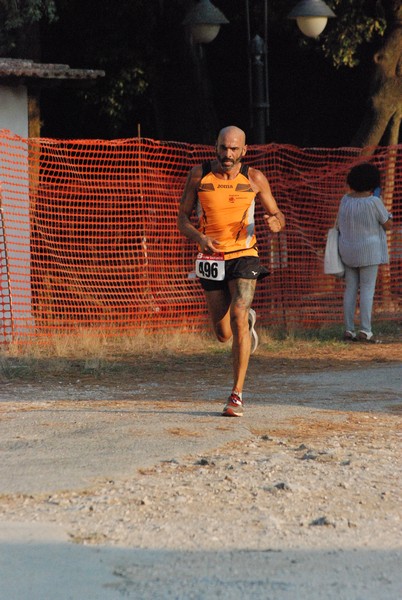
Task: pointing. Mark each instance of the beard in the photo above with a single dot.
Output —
(226, 163)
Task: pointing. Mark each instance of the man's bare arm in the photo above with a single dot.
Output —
(274, 218)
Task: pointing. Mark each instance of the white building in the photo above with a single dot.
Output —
(20, 84)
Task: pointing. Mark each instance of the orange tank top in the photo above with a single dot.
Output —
(226, 212)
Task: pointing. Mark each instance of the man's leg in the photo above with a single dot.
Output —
(242, 293)
(218, 303)
(229, 313)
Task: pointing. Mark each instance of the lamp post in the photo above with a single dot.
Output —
(203, 22)
(311, 17)
(259, 96)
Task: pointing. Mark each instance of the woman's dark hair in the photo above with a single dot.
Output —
(364, 177)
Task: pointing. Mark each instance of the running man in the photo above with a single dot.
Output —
(223, 193)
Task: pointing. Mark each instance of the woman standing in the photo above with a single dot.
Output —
(362, 221)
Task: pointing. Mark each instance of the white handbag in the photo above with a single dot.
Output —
(333, 264)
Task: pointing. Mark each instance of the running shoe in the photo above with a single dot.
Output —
(252, 317)
(233, 407)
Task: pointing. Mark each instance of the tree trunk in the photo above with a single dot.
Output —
(382, 119)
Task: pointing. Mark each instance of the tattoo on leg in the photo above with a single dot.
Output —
(245, 289)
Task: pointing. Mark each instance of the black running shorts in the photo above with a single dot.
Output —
(247, 267)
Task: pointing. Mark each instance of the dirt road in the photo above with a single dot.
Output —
(134, 487)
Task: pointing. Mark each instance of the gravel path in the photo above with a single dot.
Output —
(299, 500)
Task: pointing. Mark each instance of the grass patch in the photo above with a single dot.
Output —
(92, 353)
(90, 344)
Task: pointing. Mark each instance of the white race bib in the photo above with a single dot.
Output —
(210, 266)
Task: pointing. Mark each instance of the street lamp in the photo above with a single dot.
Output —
(204, 21)
(311, 16)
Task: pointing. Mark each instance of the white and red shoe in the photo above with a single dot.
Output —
(233, 407)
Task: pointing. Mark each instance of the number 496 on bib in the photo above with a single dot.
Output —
(210, 266)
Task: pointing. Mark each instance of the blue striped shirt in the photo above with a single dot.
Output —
(362, 239)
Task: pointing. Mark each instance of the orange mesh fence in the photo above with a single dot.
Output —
(88, 236)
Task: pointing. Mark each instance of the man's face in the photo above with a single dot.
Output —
(230, 149)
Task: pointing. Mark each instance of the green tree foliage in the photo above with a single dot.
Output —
(370, 28)
(121, 38)
(17, 17)
(357, 24)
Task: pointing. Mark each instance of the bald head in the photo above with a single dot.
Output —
(230, 148)
(232, 132)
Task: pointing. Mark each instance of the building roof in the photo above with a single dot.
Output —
(16, 69)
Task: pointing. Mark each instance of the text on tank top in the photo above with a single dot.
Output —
(226, 212)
